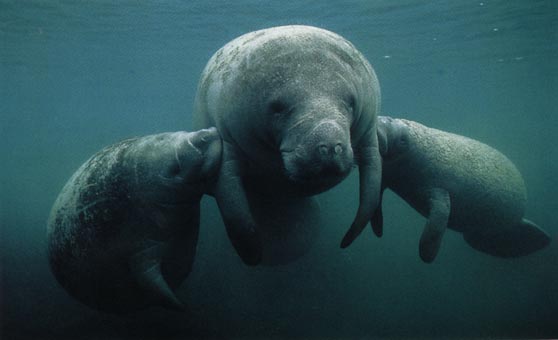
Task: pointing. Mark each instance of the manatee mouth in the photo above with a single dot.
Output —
(312, 177)
(318, 157)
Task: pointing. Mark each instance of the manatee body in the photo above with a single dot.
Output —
(288, 226)
(460, 183)
(296, 107)
(122, 234)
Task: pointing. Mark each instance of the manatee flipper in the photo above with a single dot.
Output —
(522, 239)
(235, 208)
(436, 225)
(370, 176)
(377, 220)
(145, 265)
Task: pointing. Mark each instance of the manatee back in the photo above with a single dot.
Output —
(485, 187)
(242, 77)
(86, 228)
(104, 215)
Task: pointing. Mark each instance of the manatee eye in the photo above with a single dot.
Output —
(351, 104)
(403, 142)
(173, 170)
(277, 106)
(352, 101)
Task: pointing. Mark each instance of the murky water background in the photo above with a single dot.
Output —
(76, 76)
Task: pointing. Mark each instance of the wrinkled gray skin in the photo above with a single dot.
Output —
(122, 233)
(296, 107)
(459, 183)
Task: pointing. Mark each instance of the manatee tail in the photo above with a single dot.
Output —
(145, 265)
(523, 239)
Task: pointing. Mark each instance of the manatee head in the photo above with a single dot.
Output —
(316, 146)
(393, 138)
(315, 95)
(174, 168)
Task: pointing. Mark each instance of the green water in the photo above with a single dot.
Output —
(76, 76)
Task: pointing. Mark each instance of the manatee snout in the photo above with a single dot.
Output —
(208, 143)
(393, 137)
(183, 149)
(328, 146)
(322, 157)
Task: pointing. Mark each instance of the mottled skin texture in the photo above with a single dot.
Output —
(122, 233)
(460, 183)
(296, 107)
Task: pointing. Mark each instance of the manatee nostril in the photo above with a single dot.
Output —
(338, 149)
(327, 150)
(323, 149)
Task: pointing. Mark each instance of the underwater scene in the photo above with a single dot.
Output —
(156, 186)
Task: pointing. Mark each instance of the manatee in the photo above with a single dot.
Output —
(123, 231)
(288, 227)
(460, 183)
(296, 107)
